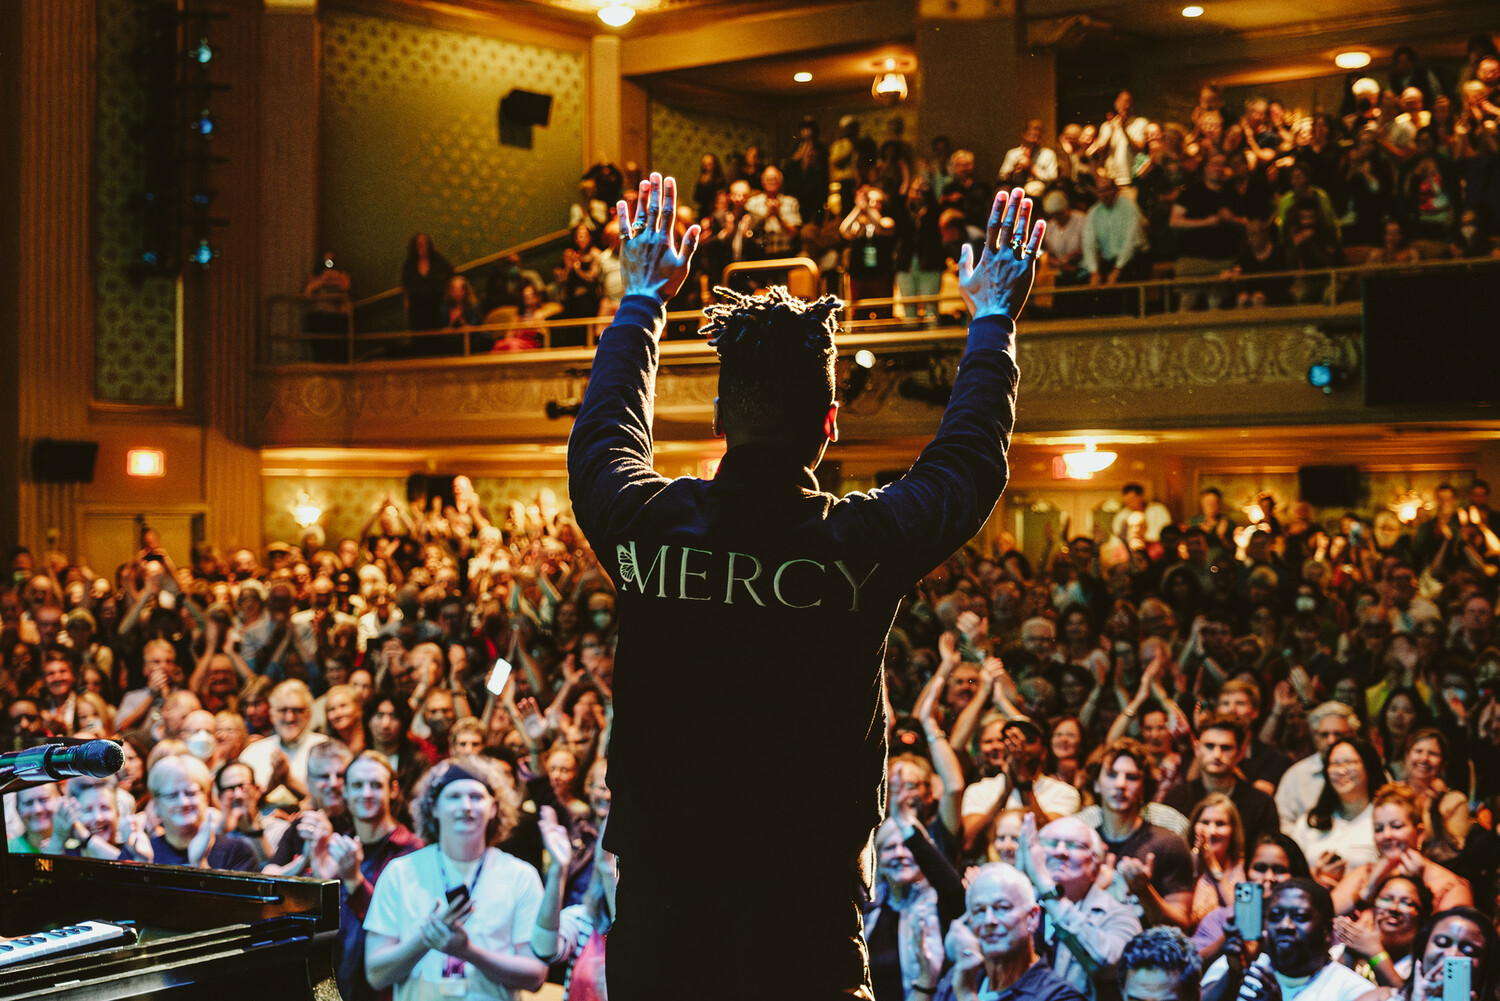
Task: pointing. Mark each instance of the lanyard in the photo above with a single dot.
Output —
(478, 871)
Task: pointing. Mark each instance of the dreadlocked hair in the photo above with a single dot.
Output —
(776, 358)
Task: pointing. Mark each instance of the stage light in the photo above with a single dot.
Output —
(616, 15)
(203, 125)
(203, 254)
(1326, 375)
(1355, 59)
(803, 77)
(1192, 10)
(201, 53)
(864, 358)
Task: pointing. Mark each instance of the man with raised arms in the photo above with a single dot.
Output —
(763, 594)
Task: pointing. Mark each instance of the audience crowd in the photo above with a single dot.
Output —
(1406, 169)
(1087, 756)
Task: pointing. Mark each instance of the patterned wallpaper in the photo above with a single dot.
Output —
(135, 336)
(410, 142)
(347, 502)
(678, 139)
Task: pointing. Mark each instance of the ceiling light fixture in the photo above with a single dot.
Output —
(1083, 465)
(1354, 59)
(616, 15)
(803, 77)
(1192, 10)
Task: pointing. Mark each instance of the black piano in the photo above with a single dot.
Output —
(86, 929)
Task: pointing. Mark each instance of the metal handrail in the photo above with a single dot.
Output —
(869, 328)
(478, 262)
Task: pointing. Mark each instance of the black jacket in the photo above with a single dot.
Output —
(754, 609)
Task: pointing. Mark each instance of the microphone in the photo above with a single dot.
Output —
(50, 762)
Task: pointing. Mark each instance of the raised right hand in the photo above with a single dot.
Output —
(1001, 281)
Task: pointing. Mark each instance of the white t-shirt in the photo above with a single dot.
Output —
(258, 756)
(1351, 840)
(1299, 789)
(1057, 798)
(1334, 982)
(506, 898)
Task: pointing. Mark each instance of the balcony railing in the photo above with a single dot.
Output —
(1152, 303)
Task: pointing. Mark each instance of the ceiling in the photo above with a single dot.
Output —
(1234, 41)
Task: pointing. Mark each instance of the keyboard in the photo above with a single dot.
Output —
(84, 935)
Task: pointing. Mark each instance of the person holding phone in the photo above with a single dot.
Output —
(1459, 933)
(455, 919)
(1274, 860)
(1292, 963)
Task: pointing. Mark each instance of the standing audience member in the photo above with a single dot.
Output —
(456, 918)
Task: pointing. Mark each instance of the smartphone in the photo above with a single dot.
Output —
(457, 897)
(498, 676)
(1248, 902)
(1458, 972)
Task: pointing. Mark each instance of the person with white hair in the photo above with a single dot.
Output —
(994, 945)
(1086, 926)
(1301, 783)
(179, 785)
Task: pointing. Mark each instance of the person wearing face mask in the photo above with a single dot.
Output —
(1083, 925)
(198, 734)
(1397, 823)
(1293, 964)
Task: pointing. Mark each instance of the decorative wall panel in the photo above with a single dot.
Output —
(678, 140)
(410, 142)
(135, 345)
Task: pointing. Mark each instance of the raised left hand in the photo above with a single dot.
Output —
(650, 262)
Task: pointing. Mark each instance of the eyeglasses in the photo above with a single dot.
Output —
(25, 717)
(289, 710)
(1270, 867)
(177, 795)
(1053, 844)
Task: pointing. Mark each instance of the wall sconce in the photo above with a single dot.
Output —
(1408, 506)
(145, 462)
(305, 513)
(890, 79)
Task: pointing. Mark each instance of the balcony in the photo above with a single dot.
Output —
(1145, 367)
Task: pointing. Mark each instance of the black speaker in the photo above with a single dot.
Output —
(520, 110)
(1329, 486)
(526, 108)
(54, 461)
